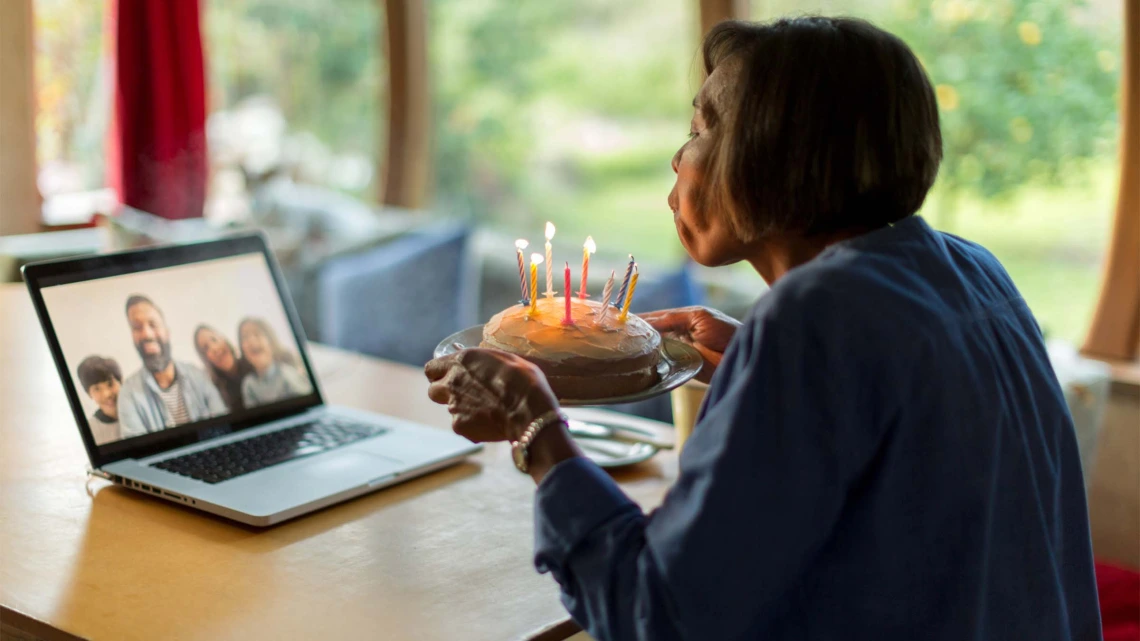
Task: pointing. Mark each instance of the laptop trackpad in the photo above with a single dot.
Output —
(351, 465)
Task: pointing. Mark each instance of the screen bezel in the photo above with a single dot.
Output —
(60, 272)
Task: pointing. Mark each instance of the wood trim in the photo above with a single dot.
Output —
(17, 626)
(21, 210)
(1115, 329)
(713, 12)
(560, 631)
(407, 160)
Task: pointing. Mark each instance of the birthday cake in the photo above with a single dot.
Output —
(594, 356)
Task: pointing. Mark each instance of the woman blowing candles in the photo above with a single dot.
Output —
(884, 451)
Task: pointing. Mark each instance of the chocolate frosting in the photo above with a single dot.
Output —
(588, 345)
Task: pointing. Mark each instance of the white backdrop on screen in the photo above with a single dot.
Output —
(90, 317)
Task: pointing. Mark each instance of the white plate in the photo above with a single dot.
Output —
(607, 453)
(679, 363)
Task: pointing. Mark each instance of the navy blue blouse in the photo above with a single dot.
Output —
(884, 453)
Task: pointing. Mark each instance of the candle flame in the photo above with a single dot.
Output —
(536, 259)
(521, 244)
(549, 230)
(589, 245)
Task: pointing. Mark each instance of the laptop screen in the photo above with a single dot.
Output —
(158, 349)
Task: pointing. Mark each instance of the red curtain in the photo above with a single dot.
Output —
(156, 153)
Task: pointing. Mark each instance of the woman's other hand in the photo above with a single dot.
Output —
(708, 330)
(491, 395)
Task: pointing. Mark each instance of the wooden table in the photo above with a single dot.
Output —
(447, 556)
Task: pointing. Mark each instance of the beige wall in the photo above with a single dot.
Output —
(19, 199)
(1114, 494)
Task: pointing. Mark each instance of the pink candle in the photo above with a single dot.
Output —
(568, 320)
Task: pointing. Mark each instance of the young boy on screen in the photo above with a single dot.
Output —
(101, 379)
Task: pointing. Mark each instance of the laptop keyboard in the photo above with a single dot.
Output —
(231, 460)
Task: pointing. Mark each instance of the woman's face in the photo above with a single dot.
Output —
(217, 350)
(707, 235)
(255, 347)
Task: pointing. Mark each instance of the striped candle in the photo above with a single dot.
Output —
(549, 261)
(606, 293)
(624, 283)
(520, 245)
(535, 260)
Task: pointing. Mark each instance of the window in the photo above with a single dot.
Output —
(1029, 94)
(73, 103)
(296, 88)
(563, 111)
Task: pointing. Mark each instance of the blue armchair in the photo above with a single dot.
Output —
(398, 300)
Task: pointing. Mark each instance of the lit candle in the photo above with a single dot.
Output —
(549, 261)
(569, 320)
(535, 261)
(606, 293)
(628, 297)
(587, 248)
(520, 245)
(624, 283)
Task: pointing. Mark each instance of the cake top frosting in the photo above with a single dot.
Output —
(544, 336)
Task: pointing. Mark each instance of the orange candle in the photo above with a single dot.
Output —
(535, 261)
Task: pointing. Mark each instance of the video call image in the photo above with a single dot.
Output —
(163, 348)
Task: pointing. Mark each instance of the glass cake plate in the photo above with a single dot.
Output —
(679, 363)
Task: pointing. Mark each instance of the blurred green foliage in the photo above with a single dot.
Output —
(321, 63)
(1028, 95)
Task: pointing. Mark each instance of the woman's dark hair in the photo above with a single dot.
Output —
(219, 377)
(832, 125)
(98, 369)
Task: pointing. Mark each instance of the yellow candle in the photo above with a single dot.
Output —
(535, 260)
(629, 296)
(587, 248)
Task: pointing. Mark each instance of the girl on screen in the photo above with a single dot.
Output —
(226, 367)
(276, 373)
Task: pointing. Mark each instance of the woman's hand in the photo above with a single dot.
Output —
(708, 330)
(492, 395)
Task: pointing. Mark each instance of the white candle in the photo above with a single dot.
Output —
(606, 293)
(549, 261)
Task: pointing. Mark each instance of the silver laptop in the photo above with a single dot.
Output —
(187, 373)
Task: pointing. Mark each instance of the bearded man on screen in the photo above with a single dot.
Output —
(164, 393)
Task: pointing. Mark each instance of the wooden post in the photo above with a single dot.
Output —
(716, 11)
(408, 157)
(1115, 329)
(20, 203)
